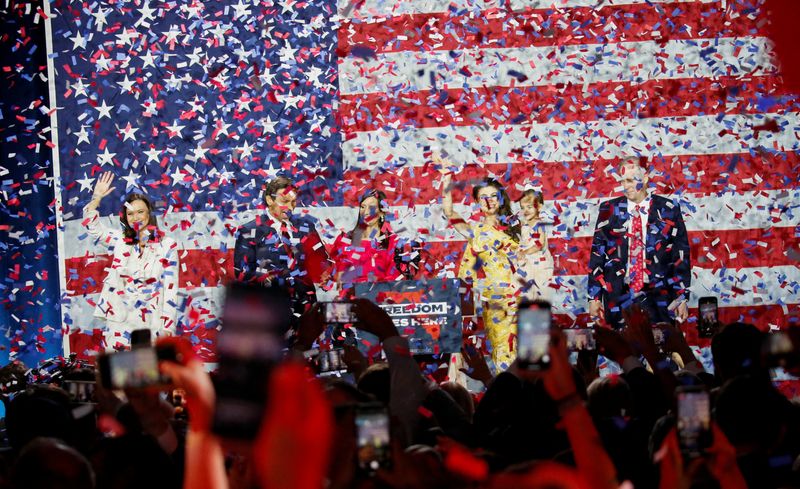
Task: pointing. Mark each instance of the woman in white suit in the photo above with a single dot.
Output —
(140, 289)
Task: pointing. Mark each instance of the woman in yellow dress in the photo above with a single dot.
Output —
(491, 248)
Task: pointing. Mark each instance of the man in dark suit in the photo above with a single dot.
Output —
(280, 247)
(640, 253)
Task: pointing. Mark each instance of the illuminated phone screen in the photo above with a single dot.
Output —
(533, 335)
(372, 432)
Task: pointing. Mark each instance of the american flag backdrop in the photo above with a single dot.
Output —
(197, 104)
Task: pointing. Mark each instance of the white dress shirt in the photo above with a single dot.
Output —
(276, 224)
(279, 226)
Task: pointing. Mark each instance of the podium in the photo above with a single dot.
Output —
(428, 312)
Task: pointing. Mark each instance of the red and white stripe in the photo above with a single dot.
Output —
(375, 9)
(739, 264)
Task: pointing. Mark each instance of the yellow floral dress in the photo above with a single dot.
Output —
(493, 251)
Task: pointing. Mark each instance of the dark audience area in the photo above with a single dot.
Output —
(396, 421)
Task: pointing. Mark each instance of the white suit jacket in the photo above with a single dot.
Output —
(140, 288)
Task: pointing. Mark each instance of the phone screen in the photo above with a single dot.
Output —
(533, 335)
(373, 438)
(694, 421)
(80, 391)
(331, 362)
(658, 337)
(249, 344)
(580, 339)
(708, 312)
(131, 369)
(339, 312)
(708, 316)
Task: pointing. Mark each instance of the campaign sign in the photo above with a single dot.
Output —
(426, 312)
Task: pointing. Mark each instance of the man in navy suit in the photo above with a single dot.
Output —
(640, 253)
(279, 247)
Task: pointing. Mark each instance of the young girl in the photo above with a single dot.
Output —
(534, 261)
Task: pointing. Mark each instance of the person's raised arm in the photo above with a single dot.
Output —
(408, 388)
(675, 341)
(591, 459)
(647, 391)
(639, 333)
(612, 345)
(720, 459)
(91, 219)
(155, 416)
(293, 446)
(205, 461)
(102, 188)
(310, 327)
(452, 216)
(477, 368)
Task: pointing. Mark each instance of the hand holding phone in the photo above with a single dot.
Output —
(191, 382)
(131, 369)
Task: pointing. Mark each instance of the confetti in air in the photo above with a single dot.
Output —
(197, 104)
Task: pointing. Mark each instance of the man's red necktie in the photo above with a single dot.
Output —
(637, 253)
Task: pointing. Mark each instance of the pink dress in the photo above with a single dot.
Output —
(366, 261)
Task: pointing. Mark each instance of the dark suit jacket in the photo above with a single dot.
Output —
(666, 250)
(261, 255)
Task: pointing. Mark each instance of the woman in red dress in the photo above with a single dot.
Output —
(367, 253)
